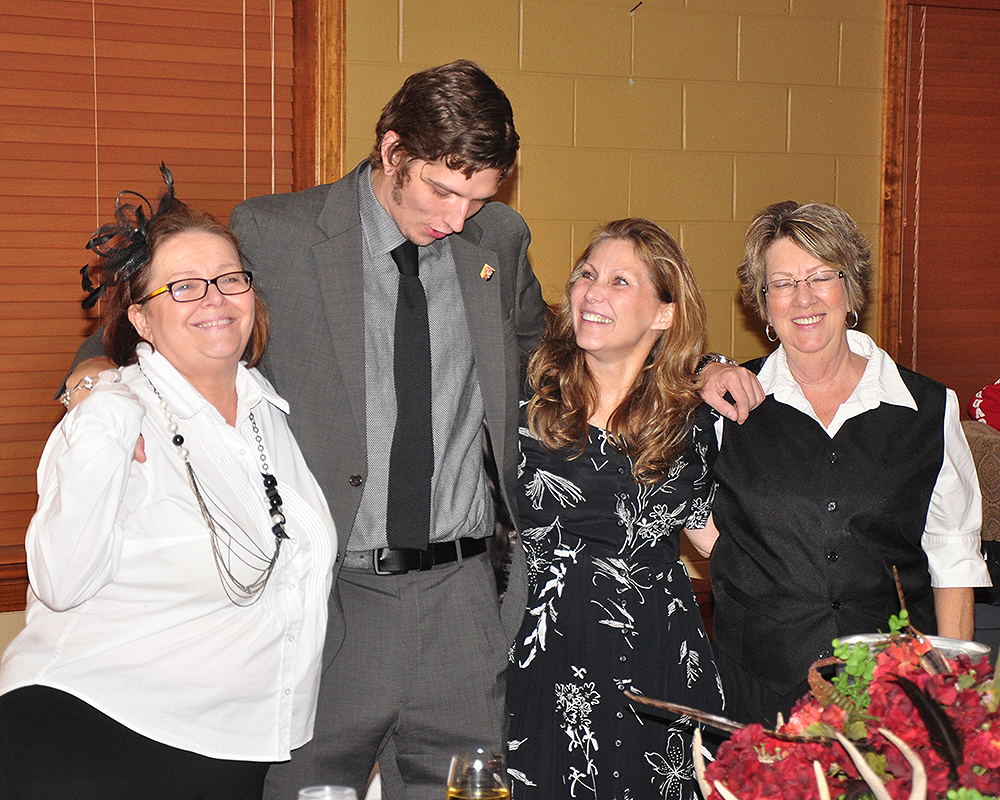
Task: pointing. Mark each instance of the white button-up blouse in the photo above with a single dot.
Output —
(127, 610)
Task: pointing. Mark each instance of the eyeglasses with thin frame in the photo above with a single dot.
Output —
(818, 282)
(190, 289)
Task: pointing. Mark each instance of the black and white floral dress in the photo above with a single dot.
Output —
(610, 607)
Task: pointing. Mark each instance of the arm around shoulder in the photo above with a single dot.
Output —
(719, 379)
(529, 310)
(89, 361)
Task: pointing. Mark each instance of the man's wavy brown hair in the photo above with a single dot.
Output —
(455, 114)
(652, 422)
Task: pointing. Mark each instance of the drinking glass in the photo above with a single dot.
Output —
(478, 775)
(327, 793)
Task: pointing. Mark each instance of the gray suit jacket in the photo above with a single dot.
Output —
(305, 252)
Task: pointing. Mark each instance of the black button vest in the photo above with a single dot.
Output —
(812, 526)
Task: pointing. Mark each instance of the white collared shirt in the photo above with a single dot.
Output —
(126, 609)
(954, 517)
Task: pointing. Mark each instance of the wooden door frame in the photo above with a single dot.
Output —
(893, 177)
(318, 91)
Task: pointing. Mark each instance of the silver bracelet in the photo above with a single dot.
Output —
(708, 358)
(86, 382)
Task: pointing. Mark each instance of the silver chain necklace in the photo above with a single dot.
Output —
(228, 547)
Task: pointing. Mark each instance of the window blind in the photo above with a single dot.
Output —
(94, 94)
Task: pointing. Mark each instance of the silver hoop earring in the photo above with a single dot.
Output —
(770, 333)
(849, 323)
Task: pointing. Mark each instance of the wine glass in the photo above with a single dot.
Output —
(478, 775)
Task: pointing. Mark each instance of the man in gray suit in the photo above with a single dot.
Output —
(416, 646)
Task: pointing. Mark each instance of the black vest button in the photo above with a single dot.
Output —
(831, 506)
(836, 605)
(355, 480)
(833, 458)
(832, 556)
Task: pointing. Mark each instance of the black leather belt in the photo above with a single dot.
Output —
(386, 561)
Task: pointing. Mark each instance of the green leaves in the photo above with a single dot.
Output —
(858, 671)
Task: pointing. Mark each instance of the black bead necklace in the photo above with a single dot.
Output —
(227, 546)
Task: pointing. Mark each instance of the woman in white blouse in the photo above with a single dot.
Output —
(180, 555)
(852, 468)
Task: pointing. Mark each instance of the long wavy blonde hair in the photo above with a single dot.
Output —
(652, 422)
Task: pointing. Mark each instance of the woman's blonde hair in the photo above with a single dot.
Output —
(825, 232)
(652, 422)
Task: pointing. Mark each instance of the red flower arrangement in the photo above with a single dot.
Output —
(943, 710)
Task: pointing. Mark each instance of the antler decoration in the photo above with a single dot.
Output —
(714, 720)
(918, 790)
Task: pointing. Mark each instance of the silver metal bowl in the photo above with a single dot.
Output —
(949, 647)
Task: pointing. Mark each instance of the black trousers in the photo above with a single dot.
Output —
(54, 745)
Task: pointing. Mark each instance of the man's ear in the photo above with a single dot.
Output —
(389, 150)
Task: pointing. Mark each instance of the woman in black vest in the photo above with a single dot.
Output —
(852, 465)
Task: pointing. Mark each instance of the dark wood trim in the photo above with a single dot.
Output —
(893, 164)
(305, 42)
(318, 92)
(972, 5)
(13, 586)
(331, 90)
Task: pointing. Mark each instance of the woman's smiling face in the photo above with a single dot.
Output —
(616, 311)
(203, 336)
(810, 318)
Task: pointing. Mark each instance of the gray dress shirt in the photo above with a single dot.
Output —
(461, 504)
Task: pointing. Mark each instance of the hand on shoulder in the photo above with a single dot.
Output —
(109, 384)
(741, 384)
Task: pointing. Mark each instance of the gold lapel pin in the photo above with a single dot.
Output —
(487, 272)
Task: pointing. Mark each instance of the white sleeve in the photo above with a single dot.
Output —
(955, 515)
(74, 539)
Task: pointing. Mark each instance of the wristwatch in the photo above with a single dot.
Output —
(708, 358)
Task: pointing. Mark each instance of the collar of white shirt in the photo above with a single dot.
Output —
(880, 383)
(185, 401)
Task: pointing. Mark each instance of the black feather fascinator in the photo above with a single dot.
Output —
(121, 245)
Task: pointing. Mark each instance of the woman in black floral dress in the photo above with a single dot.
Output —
(616, 461)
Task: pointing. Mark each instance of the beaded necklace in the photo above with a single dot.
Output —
(227, 546)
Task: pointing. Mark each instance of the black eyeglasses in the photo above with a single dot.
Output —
(190, 289)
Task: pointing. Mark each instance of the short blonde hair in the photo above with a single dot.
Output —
(826, 232)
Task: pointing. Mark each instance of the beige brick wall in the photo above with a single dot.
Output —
(694, 113)
(11, 623)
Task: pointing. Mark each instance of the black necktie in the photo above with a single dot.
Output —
(411, 462)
